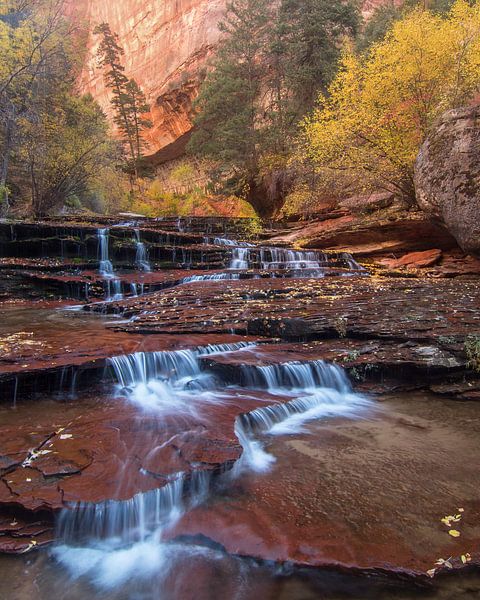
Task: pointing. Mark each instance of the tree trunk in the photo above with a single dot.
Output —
(5, 204)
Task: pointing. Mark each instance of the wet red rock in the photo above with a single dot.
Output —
(367, 494)
(102, 450)
(36, 339)
(416, 260)
(363, 495)
(328, 308)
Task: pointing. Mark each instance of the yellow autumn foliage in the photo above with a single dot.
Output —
(382, 104)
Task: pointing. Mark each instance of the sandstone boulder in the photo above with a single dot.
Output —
(447, 175)
(369, 203)
(415, 260)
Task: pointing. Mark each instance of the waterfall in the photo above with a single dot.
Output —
(240, 258)
(141, 259)
(211, 277)
(218, 241)
(318, 390)
(135, 519)
(281, 258)
(106, 267)
(141, 367)
(114, 541)
(113, 285)
(163, 381)
(308, 263)
(296, 376)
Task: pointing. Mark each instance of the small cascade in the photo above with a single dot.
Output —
(137, 289)
(240, 258)
(211, 277)
(162, 381)
(218, 241)
(318, 390)
(113, 285)
(281, 258)
(296, 376)
(130, 521)
(141, 259)
(113, 541)
(298, 263)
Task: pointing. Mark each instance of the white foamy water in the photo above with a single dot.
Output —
(109, 567)
(113, 285)
(169, 382)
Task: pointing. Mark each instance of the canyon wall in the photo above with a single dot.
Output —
(166, 44)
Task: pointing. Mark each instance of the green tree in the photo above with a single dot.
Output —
(385, 15)
(128, 100)
(54, 143)
(382, 104)
(32, 37)
(273, 61)
(136, 109)
(314, 35)
(228, 128)
(65, 152)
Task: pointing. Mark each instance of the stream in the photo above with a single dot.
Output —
(195, 466)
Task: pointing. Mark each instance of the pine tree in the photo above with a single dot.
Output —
(277, 55)
(136, 108)
(128, 99)
(228, 127)
(314, 33)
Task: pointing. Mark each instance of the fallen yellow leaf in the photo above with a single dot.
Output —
(454, 533)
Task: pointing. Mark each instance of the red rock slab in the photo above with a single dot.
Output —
(367, 494)
(32, 339)
(374, 235)
(416, 260)
(377, 355)
(42, 264)
(374, 308)
(109, 450)
(23, 544)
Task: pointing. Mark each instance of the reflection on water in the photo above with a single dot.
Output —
(203, 573)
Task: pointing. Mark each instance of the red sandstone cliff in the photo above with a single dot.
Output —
(166, 44)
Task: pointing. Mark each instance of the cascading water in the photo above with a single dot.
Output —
(211, 277)
(296, 376)
(245, 256)
(164, 381)
(317, 389)
(114, 540)
(113, 284)
(141, 259)
(106, 267)
(240, 258)
(134, 520)
(281, 258)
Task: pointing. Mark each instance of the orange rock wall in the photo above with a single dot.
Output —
(166, 44)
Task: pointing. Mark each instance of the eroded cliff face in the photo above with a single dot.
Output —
(166, 43)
